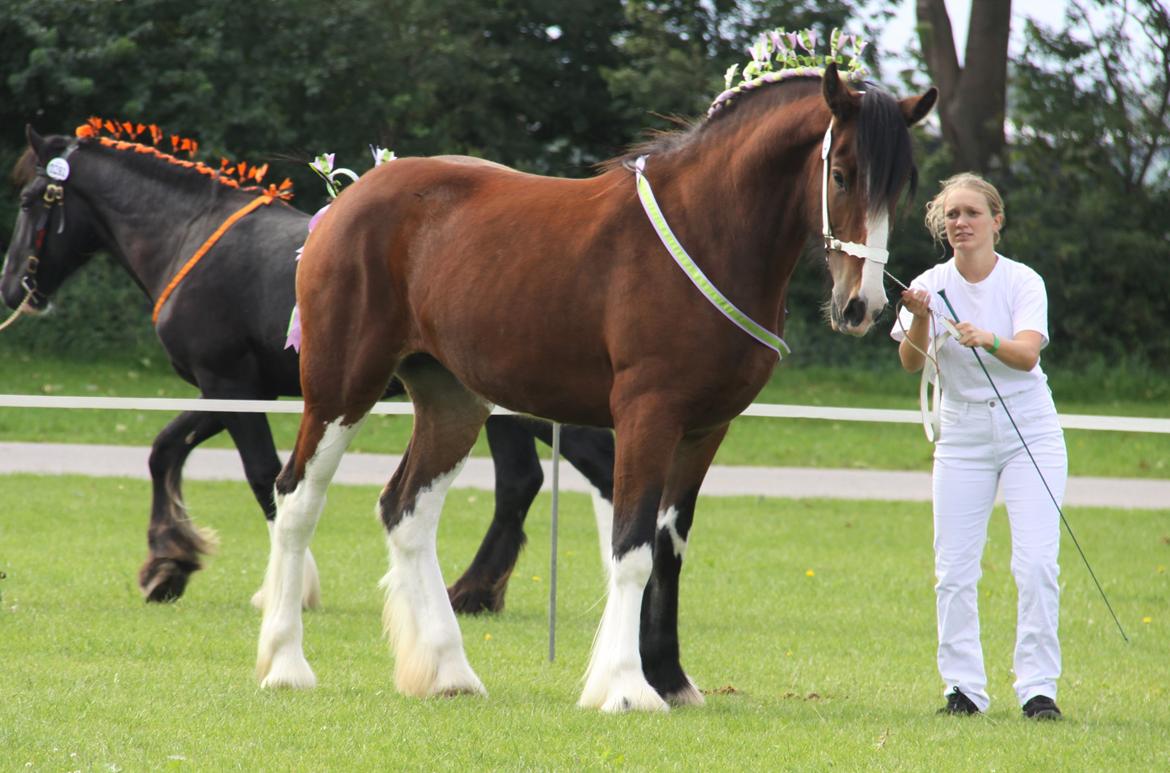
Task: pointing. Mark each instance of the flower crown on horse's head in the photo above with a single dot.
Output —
(779, 54)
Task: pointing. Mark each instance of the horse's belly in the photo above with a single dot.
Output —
(561, 383)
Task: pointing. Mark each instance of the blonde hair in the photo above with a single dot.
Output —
(936, 221)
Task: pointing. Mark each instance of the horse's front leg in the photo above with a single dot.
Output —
(175, 544)
(590, 450)
(659, 632)
(646, 440)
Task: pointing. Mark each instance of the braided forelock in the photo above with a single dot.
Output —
(883, 149)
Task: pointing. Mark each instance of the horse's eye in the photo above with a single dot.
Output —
(839, 180)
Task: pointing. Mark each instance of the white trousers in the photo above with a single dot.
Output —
(978, 449)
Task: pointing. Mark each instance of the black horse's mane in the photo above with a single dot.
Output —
(883, 141)
(25, 168)
(146, 158)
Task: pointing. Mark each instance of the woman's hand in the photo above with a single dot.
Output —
(918, 302)
(971, 336)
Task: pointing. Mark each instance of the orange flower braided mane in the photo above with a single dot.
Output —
(124, 135)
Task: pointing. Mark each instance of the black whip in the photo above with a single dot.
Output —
(942, 294)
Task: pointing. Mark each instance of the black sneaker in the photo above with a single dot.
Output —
(1041, 707)
(958, 703)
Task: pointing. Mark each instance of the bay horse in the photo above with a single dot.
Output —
(479, 286)
(223, 329)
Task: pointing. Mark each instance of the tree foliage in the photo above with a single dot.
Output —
(1089, 192)
(553, 86)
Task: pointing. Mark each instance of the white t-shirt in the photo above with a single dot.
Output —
(1009, 299)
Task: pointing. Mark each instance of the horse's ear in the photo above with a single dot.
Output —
(35, 141)
(843, 101)
(914, 109)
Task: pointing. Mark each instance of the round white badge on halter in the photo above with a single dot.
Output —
(58, 169)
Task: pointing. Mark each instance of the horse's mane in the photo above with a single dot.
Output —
(231, 175)
(666, 141)
(25, 168)
(123, 136)
(883, 141)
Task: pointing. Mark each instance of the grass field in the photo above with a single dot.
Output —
(809, 623)
(754, 441)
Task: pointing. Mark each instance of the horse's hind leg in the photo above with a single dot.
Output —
(300, 496)
(175, 545)
(591, 451)
(253, 438)
(658, 640)
(418, 618)
(518, 480)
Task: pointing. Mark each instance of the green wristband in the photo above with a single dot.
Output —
(995, 344)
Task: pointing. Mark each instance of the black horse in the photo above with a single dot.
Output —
(223, 325)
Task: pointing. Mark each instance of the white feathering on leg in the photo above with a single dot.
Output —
(428, 648)
(614, 681)
(280, 659)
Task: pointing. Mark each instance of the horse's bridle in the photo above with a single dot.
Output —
(56, 170)
(878, 255)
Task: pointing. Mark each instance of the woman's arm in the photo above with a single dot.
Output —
(1020, 353)
(917, 303)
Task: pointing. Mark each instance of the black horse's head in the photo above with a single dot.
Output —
(54, 233)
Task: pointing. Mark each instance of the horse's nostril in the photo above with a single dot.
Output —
(854, 312)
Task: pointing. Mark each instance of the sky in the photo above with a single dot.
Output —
(899, 34)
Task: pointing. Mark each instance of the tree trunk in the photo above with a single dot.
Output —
(972, 98)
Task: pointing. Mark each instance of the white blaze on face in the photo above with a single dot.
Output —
(877, 235)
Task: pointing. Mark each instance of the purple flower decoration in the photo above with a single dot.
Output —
(323, 164)
(317, 218)
(293, 341)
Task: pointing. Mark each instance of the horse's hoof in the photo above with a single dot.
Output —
(455, 692)
(467, 599)
(641, 701)
(164, 579)
(626, 692)
(688, 695)
(287, 671)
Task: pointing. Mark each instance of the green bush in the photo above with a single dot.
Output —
(98, 313)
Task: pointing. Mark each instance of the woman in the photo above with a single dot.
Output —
(1001, 310)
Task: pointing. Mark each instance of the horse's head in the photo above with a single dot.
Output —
(54, 234)
(865, 165)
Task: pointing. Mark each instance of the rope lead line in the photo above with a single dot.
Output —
(943, 295)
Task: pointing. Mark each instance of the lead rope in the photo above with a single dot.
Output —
(930, 387)
(949, 324)
(14, 315)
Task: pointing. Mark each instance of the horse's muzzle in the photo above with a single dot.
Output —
(854, 319)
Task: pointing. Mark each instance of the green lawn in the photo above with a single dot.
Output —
(809, 623)
(755, 441)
